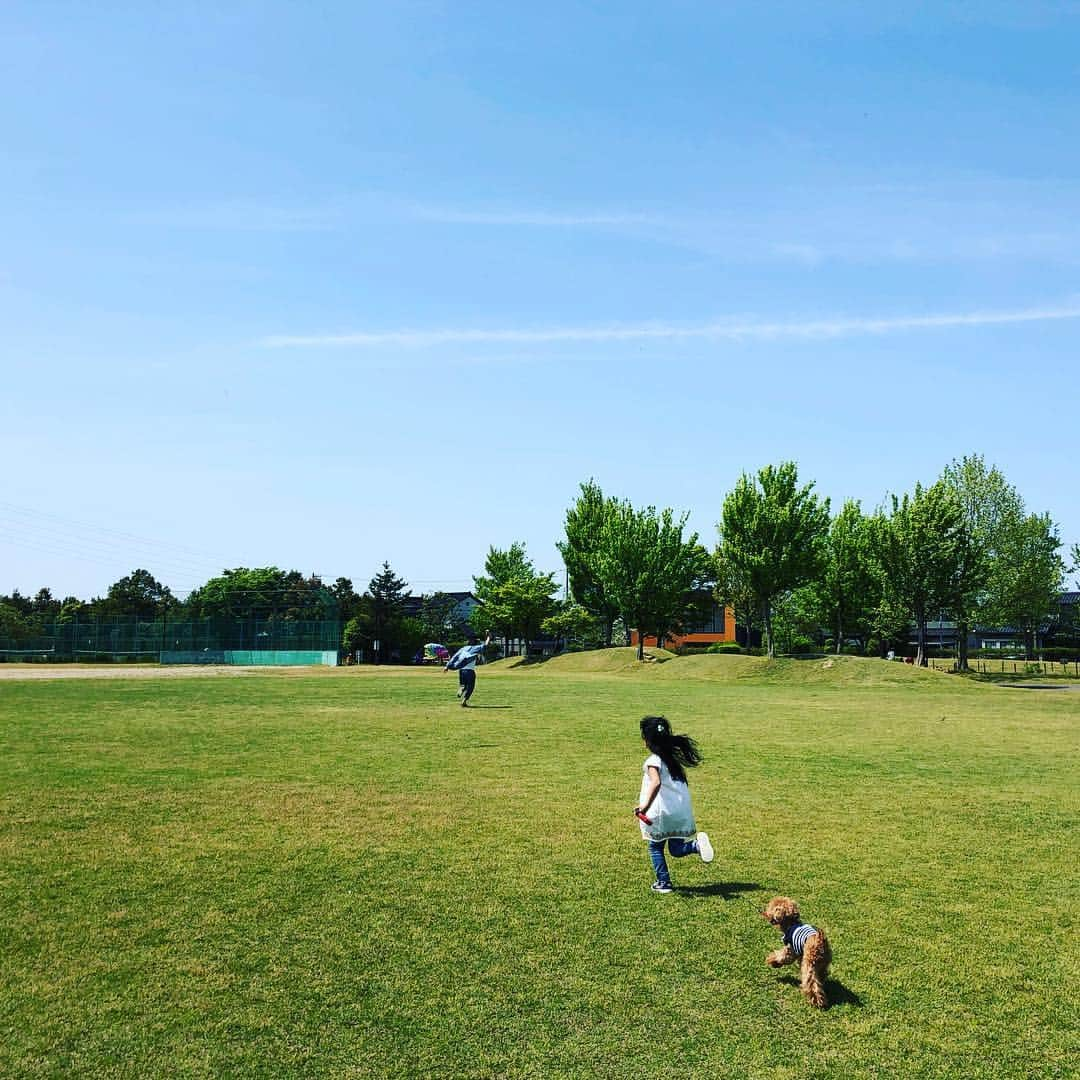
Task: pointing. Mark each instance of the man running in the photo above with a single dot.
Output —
(464, 662)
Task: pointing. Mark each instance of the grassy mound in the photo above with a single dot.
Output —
(831, 670)
(719, 667)
(596, 661)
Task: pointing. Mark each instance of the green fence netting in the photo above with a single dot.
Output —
(128, 637)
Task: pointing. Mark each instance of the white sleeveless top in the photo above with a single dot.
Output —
(670, 812)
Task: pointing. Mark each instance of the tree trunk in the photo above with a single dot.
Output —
(766, 614)
(609, 630)
(640, 645)
(920, 637)
(962, 645)
(839, 633)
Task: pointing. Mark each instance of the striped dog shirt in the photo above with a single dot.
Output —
(795, 936)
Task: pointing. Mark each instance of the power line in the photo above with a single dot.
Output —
(67, 523)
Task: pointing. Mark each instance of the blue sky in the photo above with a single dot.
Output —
(319, 285)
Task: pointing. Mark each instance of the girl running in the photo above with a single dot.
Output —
(664, 810)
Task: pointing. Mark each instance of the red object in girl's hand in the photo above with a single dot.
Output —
(641, 817)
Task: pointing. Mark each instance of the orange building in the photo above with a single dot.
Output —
(718, 624)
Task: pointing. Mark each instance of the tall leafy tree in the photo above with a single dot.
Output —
(919, 548)
(796, 619)
(237, 593)
(16, 626)
(260, 593)
(571, 622)
(772, 534)
(890, 620)
(585, 523)
(514, 598)
(687, 580)
(305, 597)
(988, 504)
(649, 570)
(733, 589)
(356, 635)
(1028, 576)
(846, 590)
(24, 605)
(139, 593)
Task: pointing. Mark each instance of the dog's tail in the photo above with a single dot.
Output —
(816, 957)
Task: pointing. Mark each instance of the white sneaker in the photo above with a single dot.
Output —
(704, 847)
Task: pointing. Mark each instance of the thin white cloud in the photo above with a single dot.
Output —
(715, 331)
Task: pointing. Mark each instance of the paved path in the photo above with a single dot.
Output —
(124, 671)
(1040, 686)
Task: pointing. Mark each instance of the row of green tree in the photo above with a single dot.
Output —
(264, 595)
(261, 593)
(964, 548)
(376, 621)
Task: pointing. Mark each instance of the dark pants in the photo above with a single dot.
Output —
(467, 679)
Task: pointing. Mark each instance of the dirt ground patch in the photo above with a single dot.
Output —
(127, 671)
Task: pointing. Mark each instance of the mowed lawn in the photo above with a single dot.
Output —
(345, 874)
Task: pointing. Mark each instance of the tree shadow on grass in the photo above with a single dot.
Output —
(490, 706)
(724, 889)
(837, 993)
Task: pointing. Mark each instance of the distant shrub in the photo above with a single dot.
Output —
(1063, 653)
(725, 648)
(1067, 653)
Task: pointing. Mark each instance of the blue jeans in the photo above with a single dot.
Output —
(679, 849)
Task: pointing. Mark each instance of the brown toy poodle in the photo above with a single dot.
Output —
(802, 942)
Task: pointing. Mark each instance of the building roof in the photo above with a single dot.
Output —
(459, 596)
(412, 604)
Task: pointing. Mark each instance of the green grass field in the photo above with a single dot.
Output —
(345, 874)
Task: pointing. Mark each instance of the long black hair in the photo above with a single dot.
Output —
(677, 752)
